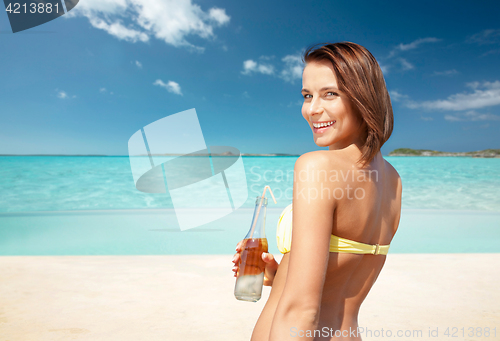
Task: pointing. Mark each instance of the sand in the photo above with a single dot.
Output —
(191, 298)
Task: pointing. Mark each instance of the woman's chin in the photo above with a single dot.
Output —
(321, 143)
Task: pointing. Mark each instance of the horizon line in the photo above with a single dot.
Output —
(242, 154)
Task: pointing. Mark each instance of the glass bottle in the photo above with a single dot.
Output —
(250, 276)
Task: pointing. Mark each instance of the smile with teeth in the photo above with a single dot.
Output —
(323, 124)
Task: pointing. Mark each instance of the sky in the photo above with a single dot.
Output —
(85, 82)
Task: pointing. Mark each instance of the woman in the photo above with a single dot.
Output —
(346, 202)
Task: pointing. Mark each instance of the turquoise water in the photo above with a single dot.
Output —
(89, 205)
(102, 183)
(145, 232)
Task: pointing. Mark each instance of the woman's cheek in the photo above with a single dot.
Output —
(304, 112)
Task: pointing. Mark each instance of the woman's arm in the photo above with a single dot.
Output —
(313, 207)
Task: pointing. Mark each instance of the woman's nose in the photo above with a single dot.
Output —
(315, 107)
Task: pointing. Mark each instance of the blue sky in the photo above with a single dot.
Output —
(85, 82)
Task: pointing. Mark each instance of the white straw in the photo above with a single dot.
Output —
(258, 209)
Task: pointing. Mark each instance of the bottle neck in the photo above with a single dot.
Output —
(258, 226)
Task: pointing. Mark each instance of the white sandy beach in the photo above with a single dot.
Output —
(191, 298)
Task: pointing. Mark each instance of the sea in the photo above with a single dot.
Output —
(90, 205)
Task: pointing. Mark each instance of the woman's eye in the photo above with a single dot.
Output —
(330, 93)
(305, 96)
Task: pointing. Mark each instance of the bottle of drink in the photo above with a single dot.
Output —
(250, 276)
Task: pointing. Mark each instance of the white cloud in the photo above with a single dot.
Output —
(266, 57)
(484, 94)
(138, 20)
(414, 44)
(104, 90)
(219, 15)
(473, 85)
(485, 37)
(118, 30)
(62, 94)
(385, 68)
(250, 66)
(138, 64)
(406, 65)
(396, 96)
(472, 116)
(427, 118)
(446, 73)
(296, 103)
(293, 68)
(171, 86)
(495, 51)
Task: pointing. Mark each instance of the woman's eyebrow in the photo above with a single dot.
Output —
(331, 87)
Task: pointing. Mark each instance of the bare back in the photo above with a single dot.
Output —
(367, 212)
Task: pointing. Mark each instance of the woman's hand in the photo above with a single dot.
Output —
(269, 271)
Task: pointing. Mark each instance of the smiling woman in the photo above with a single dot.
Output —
(339, 241)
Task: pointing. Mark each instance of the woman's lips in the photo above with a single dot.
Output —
(321, 130)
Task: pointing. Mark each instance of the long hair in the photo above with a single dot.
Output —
(359, 76)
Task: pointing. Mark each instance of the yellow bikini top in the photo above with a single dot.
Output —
(337, 244)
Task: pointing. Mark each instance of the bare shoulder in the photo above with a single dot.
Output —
(319, 159)
(393, 175)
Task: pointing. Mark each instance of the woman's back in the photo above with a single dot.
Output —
(368, 203)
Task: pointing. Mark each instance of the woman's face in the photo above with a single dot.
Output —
(327, 110)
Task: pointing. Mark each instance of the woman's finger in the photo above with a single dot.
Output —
(267, 257)
(238, 247)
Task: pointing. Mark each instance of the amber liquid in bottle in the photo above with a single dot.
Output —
(250, 276)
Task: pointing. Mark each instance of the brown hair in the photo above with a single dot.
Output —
(359, 76)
